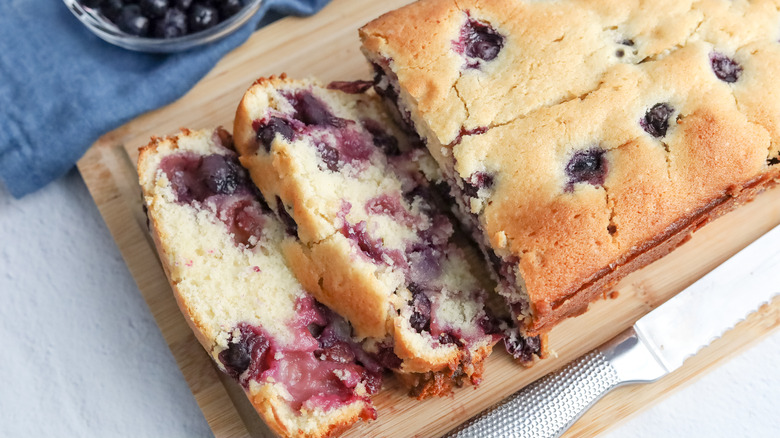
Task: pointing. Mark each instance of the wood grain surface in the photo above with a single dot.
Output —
(326, 46)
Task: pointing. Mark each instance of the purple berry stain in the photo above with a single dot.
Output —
(589, 166)
(372, 249)
(656, 120)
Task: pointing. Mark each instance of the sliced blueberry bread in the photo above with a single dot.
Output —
(583, 140)
(220, 247)
(374, 244)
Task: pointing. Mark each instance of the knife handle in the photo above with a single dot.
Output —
(549, 406)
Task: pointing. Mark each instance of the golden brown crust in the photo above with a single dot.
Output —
(563, 241)
(676, 235)
(443, 381)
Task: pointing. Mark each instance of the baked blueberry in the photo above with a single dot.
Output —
(421, 305)
(449, 338)
(522, 348)
(490, 324)
(656, 119)
(329, 156)
(351, 87)
(268, 128)
(477, 181)
(312, 111)
(479, 40)
(287, 220)
(220, 174)
(725, 68)
(384, 141)
(588, 166)
(249, 350)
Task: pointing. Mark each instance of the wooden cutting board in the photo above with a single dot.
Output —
(327, 46)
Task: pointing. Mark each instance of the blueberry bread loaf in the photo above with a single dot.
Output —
(221, 248)
(584, 139)
(374, 244)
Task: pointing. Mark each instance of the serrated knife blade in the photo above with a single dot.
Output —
(656, 345)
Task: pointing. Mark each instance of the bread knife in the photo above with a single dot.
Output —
(655, 346)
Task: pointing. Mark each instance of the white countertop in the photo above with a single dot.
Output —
(82, 355)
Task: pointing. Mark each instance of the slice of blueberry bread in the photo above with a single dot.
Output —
(584, 139)
(220, 247)
(374, 244)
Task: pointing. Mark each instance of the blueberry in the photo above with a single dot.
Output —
(172, 25)
(228, 8)
(329, 156)
(490, 324)
(384, 141)
(588, 166)
(153, 8)
(725, 68)
(449, 338)
(236, 358)
(220, 174)
(656, 120)
(133, 22)
(267, 130)
(421, 315)
(351, 87)
(183, 4)
(387, 357)
(202, 17)
(111, 9)
(477, 181)
(91, 3)
(337, 352)
(287, 220)
(249, 352)
(313, 112)
(522, 349)
(479, 40)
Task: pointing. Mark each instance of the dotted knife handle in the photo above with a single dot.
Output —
(548, 406)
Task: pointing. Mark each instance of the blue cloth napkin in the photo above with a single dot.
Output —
(61, 87)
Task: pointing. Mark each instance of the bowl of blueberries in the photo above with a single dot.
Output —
(162, 26)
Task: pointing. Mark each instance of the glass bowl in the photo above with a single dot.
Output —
(108, 31)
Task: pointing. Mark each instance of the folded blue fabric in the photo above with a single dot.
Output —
(61, 87)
